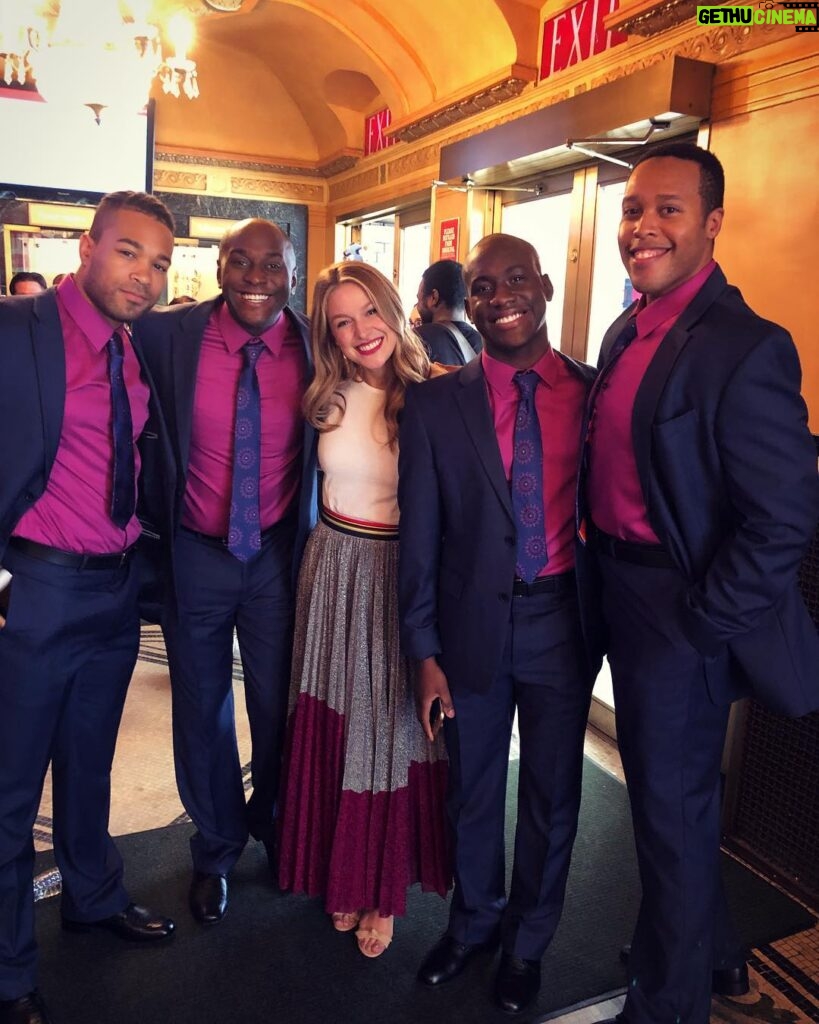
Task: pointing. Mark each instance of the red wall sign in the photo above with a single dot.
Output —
(577, 34)
(374, 137)
(448, 249)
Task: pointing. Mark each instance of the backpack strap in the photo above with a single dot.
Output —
(465, 349)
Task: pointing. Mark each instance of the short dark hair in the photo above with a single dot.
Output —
(142, 202)
(447, 278)
(26, 275)
(712, 176)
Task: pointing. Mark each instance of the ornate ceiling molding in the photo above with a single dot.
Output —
(368, 179)
(338, 164)
(335, 164)
(648, 17)
(186, 180)
(491, 95)
(277, 189)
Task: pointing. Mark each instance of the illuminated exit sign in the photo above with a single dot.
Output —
(374, 127)
(577, 34)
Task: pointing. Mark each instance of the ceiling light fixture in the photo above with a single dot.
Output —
(105, 60)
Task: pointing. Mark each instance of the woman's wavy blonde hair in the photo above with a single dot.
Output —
(409, 360)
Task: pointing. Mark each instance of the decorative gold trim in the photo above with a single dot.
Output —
(180, 179)
(335, 164)
(358, 183)
(407, 163)
(279, 189)
(648, 17)
(493, 95)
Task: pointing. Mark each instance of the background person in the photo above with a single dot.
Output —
(363, 795)
(71, 632)
(445, 331)
(27, 282)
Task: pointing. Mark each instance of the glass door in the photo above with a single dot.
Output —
(611, 290)
(413, 260)
(545, 223)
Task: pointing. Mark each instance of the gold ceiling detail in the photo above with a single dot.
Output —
(648, 17)
(484, 99)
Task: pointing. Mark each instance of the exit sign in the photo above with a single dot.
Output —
(374, 127)
(577, 34)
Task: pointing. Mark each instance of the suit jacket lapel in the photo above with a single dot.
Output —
(186, 344)
(474, 407)
(49, 357)
(654, 380)
(308, 496)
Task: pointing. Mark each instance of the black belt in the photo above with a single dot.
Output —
(69, 559)
(653, 556)
(221, 542)
(543, 585)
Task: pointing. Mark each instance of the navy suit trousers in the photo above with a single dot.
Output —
(67, 652)
(215, 594)
(671, 737)
(543, 676)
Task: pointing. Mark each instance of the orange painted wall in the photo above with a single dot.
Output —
(769, 245)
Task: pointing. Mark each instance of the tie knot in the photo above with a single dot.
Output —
(114, 344)
(526, 381)
(252, 349)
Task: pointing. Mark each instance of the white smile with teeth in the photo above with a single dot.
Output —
(254, 297)
(647, 254)
(369, 346)
(510, 318)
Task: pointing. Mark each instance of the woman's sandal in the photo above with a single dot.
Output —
(371, 941)
(345, 922)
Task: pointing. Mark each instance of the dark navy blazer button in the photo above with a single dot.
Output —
(510, 541)
(503, 597)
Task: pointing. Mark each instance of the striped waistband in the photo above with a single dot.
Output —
(357, 527)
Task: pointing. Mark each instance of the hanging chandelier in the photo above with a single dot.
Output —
(100, 53)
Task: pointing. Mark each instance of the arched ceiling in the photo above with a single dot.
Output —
(292, 80)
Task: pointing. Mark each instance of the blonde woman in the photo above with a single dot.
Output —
(362, 809)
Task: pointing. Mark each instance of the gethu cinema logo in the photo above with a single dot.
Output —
(803, 16)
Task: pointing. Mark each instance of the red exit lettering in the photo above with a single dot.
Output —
(374, 127)
(577, 34)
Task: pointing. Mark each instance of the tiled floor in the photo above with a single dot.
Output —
(784, 976)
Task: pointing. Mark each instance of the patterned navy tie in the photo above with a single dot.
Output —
(527, 482)
(123, 488)
(244, 533)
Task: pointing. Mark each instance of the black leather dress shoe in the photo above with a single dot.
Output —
(28, 1009)
(731, 981)
(448, 958)
(135, 923)
(725, 981)
(517, 983)
(208, 897)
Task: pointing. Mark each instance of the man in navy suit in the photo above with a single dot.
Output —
(489, 610)
(701, 497)
(73, 401)
(200, 356)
